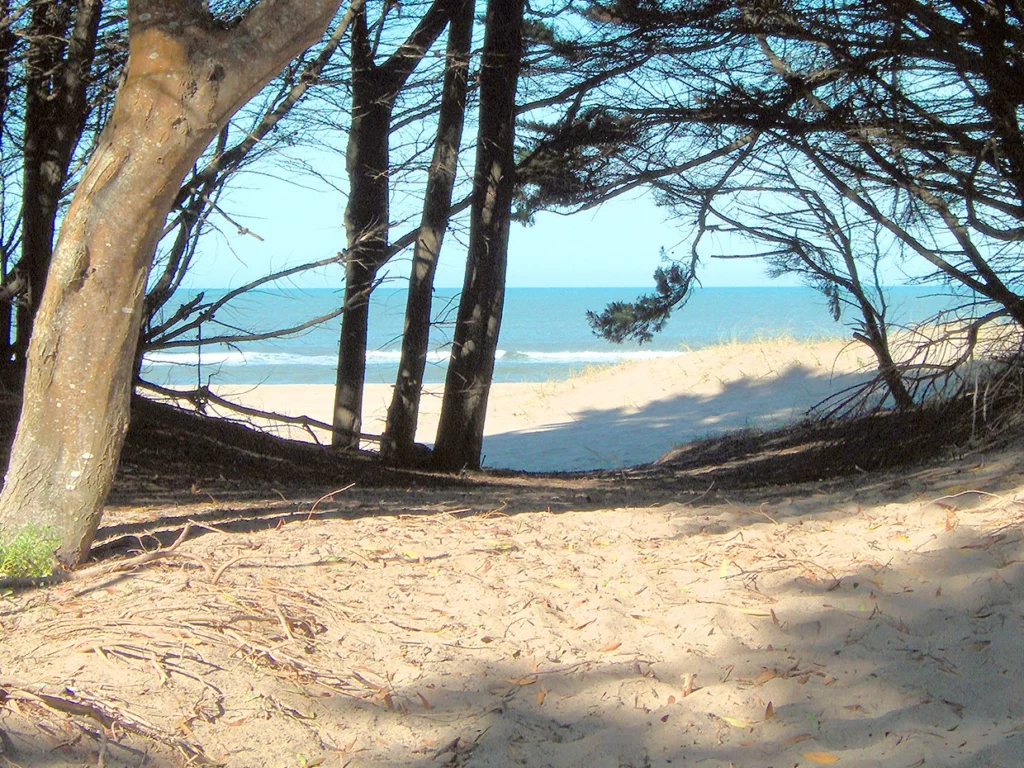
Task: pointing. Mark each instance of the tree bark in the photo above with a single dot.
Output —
(398, 443)
(61, 48)
(374, 89)
(186, 75)
(366, 227)
(471, 366)
(8, 40)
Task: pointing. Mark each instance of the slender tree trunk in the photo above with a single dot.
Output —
(186, 75)
(874, 326)
(61, 47)
(366, 228)
(7, 42)
(876, 339)
(374, 89)
(461, 428)
(403, 414)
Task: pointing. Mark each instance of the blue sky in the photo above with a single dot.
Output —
(617, 244)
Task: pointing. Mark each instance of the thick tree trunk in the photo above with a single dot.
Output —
(467, 385)
(398, 443)
(185, 77)
(61, 47)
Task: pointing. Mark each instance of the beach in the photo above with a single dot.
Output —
(613, 416)
(264, 604)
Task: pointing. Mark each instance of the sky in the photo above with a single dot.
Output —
(616, 245)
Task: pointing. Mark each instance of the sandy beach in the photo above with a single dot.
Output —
(359, 617)
(618, 416)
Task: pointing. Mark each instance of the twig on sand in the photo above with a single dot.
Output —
(327, 496)
(107, 714)
(131, 563)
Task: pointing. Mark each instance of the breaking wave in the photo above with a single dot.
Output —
(231, 358)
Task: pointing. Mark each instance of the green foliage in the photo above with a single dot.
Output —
(569, 163)
(29, 553)
(639, 320)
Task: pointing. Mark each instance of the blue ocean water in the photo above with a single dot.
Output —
(544, 333)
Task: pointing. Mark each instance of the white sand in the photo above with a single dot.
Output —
(618, 416)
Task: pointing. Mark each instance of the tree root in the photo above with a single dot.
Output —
(108, 715)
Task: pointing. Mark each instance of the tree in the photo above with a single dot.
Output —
(902, 112)
(400, 433)
(374, 90)
(61, 45)
(474, 345)
(187, 73)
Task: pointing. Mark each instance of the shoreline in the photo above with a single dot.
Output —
(610, 416)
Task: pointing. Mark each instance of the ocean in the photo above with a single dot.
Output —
(544, 333)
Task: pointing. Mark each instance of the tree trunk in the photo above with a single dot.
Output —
(467, 385)
(374, 89)
(366, 228)
(61, 47)
(186, 75)
(8, 40)
(399, 436)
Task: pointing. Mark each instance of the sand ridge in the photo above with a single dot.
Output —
(623, 415)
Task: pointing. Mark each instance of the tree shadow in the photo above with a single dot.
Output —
(925, 672)
(899, 655)
(607, 439)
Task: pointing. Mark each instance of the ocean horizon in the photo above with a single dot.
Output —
(544, 334)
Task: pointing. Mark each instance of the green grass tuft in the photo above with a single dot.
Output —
(29, 553)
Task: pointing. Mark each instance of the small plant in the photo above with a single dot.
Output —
(29, 553)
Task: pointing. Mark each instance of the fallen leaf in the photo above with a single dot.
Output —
(541, 695)
(821, 758)
(765, 676)
(611, 646)
(759, 612)
(796, 739)
(671, 700)
(523, 681)
(855, 708)
(738, 722)
(769, 711)
(426, 704)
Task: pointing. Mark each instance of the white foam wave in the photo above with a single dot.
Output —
(233, 357)
(391, 357)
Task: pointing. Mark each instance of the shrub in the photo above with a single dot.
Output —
(29, 553)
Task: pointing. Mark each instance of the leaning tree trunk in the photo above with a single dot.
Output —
(397, 443)
(186, 75)
(461, 429)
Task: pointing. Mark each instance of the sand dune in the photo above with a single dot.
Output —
(618, 416)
